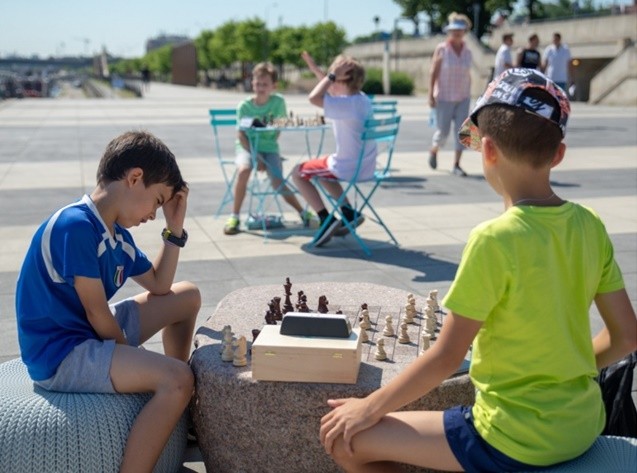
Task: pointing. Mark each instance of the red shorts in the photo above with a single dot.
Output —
(315, 168)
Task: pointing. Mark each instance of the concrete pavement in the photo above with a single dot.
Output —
(49, 150)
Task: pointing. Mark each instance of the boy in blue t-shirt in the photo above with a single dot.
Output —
(70, 338)
(521, 299)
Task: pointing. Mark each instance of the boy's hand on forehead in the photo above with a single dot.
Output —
(175, 210)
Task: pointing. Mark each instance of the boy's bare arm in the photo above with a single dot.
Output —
(353, 415)
(309, 60)
(243, 139)
(619, 336)
(159, 279)
(93, 298)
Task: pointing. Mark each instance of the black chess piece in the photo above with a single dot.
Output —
(322, 305)
(287, 286)
(278, 315)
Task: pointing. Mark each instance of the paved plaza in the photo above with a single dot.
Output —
(49, 150)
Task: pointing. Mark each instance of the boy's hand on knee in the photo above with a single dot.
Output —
(347, 418)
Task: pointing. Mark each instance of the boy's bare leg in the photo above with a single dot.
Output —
(288, 196)
(240, 188)
(308, 191)
(171, 381)
(175, 313)
(414, 437)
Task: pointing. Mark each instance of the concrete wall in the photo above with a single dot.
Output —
(616, 84)
(594, 42)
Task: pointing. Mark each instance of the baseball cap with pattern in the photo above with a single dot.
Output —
(511, 88)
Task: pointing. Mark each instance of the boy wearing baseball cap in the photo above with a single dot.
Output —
(521, 299)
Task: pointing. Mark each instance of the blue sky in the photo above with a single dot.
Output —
(70, 27)
(49, 27)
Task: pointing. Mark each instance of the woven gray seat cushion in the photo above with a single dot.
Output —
(44, 431)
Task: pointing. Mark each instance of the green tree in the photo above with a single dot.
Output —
(253, 41)
(205, 60)
(324, 41)
(222, 46)
(287, 45)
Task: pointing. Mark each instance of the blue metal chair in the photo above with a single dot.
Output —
(384, 108)
(383, 132)
(224, 117)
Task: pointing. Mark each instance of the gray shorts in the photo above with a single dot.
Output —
(272, 161)
(87, 368)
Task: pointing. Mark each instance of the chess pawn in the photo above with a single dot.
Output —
(409, 315)
(431, 324)
(240, 351)
(365, 324)
(227, 354)
(364, 337)
(404, 336)
(380, 354)
(389, 330)
(425, 342)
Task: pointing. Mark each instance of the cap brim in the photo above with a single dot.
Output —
(469, 135)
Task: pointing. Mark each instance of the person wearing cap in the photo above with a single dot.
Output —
(530, 57)
(520, 301)
(504, 56)
(450, 88)
(556, 62)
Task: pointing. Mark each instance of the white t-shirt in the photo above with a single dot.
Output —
(348, 114)
(557, 60)
(502, 57)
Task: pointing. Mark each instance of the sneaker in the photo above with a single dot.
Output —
(307, 217)
(458, 171)
(232, 225)
(328, 232)
(433, 160)
(343, 230)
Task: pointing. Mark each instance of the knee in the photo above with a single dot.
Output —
(179, 382)
(190, 294)
(347, 461)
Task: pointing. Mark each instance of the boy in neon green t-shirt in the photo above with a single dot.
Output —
(265, 104)
(521, 297)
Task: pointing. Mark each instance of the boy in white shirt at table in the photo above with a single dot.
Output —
(339, 94)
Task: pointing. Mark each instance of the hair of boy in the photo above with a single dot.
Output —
(140, 149)
(533, 37)
(356, 75)
(520, 134)
(507, 36)
(265, 69)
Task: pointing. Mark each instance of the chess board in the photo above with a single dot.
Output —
(396, 351)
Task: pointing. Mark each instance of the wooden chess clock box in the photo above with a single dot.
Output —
(277, 357)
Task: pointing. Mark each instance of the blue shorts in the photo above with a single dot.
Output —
(472, 452)
(87, 368)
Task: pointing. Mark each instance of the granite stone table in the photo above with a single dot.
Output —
(245, 425)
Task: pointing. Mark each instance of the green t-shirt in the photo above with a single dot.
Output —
(275, 108)
(530, 276)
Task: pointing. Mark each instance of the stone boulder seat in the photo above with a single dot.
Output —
(48, 431)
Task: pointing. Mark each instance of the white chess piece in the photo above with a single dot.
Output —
(240, 351)
(389, 330)
(425, 342)
(409, 314)
(228, 353)
(364, 337)
(365, 323)
(404, 336)
(380, 350)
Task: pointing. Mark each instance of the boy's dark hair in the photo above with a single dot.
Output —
(140, 149)
(520, 134)
(265, 69)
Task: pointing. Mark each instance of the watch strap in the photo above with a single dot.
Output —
(170, 237)
(332, 77)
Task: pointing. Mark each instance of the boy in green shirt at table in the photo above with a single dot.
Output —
(263, 105)
(521, 299)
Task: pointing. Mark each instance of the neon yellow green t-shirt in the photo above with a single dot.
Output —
(530, 276)
(273, 108)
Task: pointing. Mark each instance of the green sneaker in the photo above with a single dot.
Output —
(307, 217)
(232, 225)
